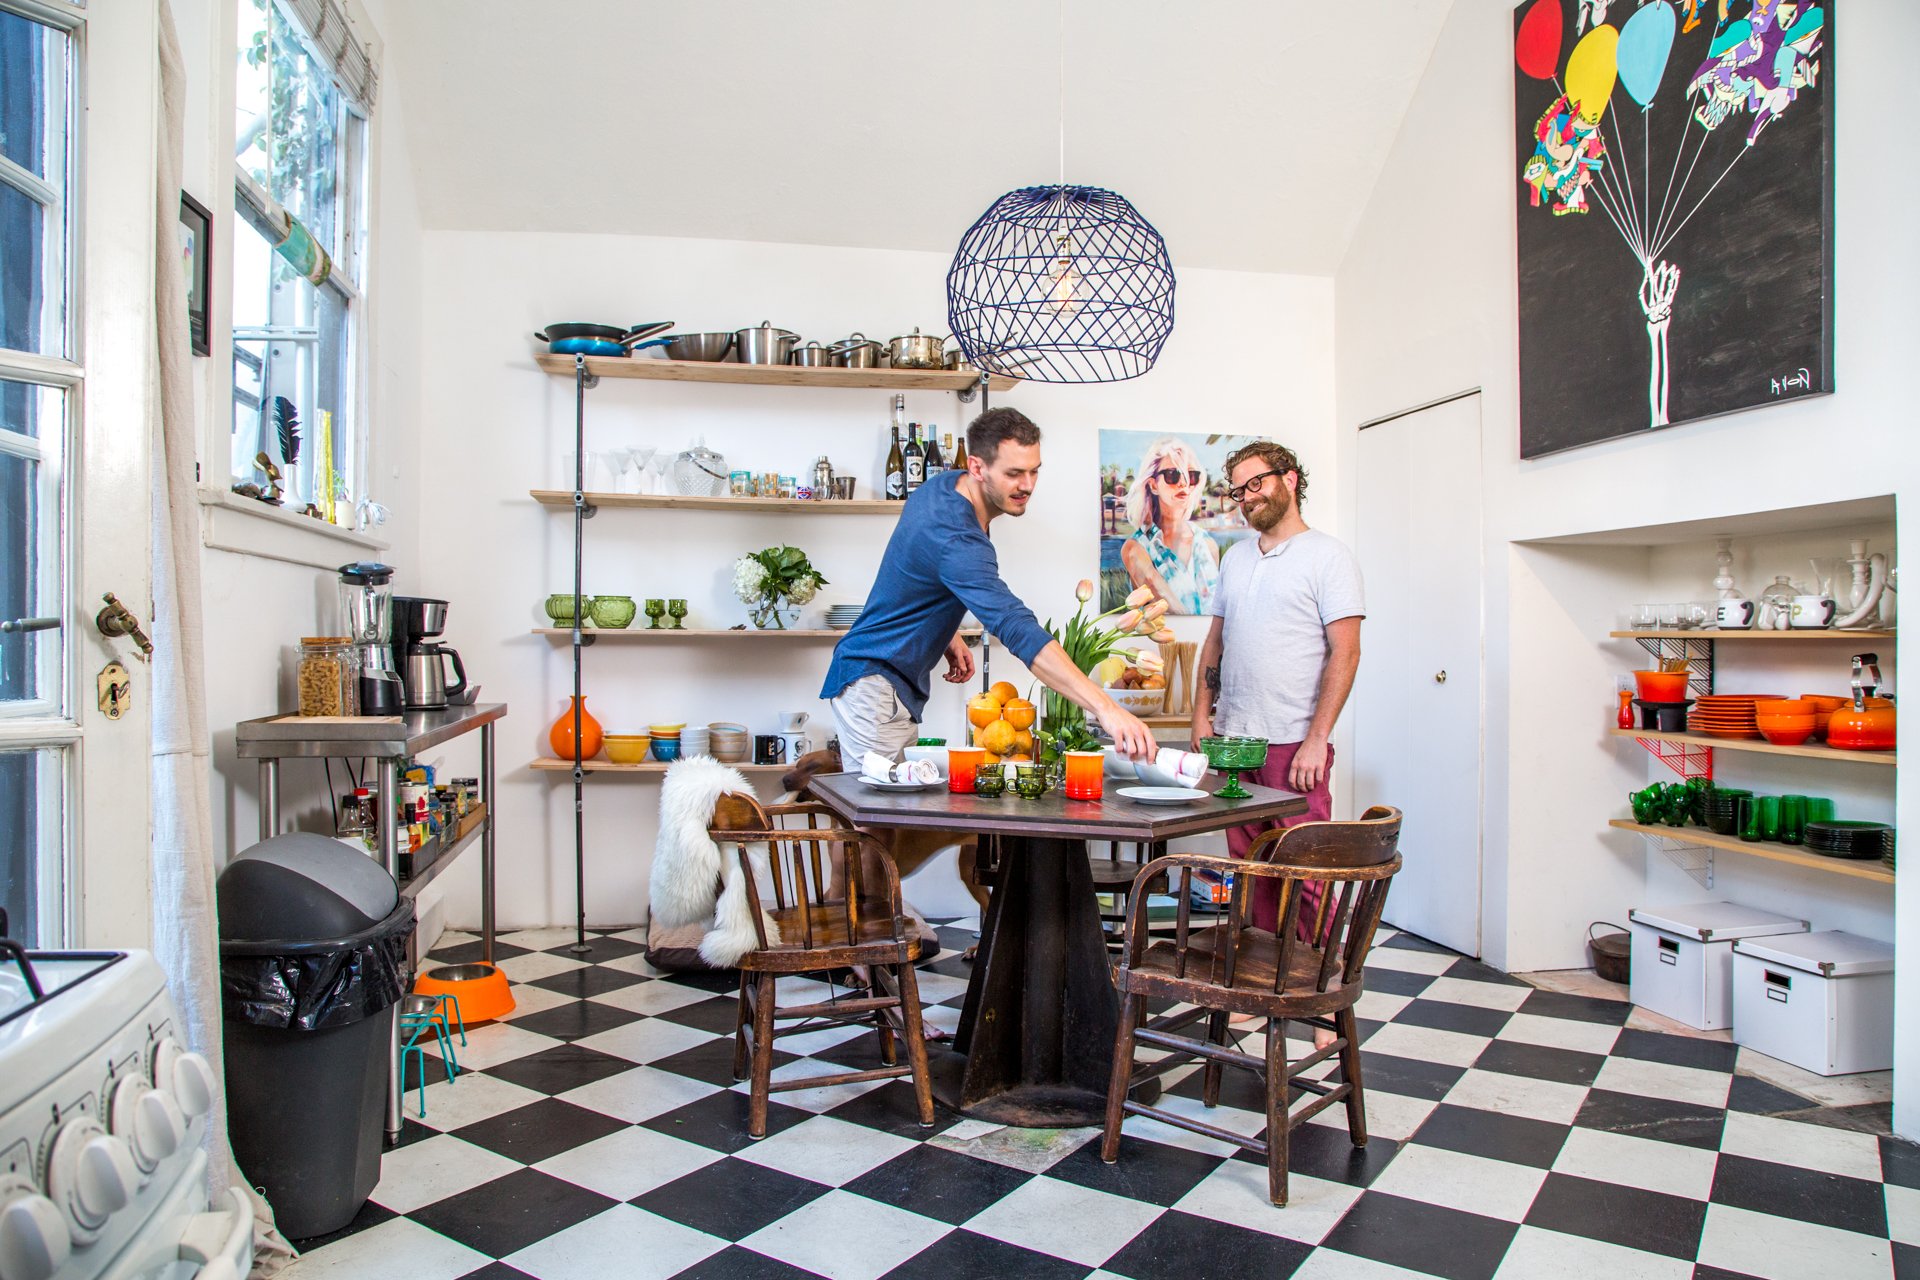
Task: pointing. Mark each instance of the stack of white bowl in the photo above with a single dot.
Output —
(693, 741)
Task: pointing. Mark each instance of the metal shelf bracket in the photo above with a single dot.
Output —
(1694, 859)
(1684, 758)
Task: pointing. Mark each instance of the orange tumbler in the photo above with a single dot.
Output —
(1086, 774)
(961, 763)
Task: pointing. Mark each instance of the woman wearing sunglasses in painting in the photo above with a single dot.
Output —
(1167, 551)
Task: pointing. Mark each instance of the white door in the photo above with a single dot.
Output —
(1417, 712)
(75, 427)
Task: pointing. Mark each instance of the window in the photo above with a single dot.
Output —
(300, 152)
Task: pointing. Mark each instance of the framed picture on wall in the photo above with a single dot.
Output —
(1165, 520)
(1674, 181)
(196, 259)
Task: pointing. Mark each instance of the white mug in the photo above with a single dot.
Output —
(1735, 615)
(794, 721)
(1811, 613)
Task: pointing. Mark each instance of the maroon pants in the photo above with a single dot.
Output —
(1266, 890)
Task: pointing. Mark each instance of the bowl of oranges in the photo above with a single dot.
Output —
(1003, 723)
(1139, 688)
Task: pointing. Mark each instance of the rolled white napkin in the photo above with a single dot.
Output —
(877, 768)
(1188, 766)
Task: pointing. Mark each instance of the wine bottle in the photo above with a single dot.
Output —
(896, 470)
(959, 453)
(916, 458)
(935, 462)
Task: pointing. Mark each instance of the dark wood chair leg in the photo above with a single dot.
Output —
(762, 1056)
(884, 1029)
(1122, 1072)
(1211, 1072)
(1278, 1091)
(1350, 1067)
(740, 1032)
(916, 1042)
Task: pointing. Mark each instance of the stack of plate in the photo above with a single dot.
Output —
(727, 742)
(841, 617)
(1722, 809)
(1851, 839)
(1726, 715)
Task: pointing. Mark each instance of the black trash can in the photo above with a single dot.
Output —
(313, 958)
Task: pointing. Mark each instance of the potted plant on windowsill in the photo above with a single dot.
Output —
(774, 583)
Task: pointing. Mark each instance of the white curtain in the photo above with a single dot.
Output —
(185, 925)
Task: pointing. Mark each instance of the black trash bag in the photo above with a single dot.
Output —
(315, 986)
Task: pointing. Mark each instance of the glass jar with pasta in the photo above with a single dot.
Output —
(328, 677)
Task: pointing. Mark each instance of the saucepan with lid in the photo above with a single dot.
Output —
(764, 344)
(917, 351)
(813, 355)
(857, 351)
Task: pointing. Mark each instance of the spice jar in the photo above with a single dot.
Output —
(328, 678)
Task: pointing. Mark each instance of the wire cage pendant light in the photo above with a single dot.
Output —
(1061, 284)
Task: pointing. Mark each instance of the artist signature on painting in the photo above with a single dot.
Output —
(1799, 380)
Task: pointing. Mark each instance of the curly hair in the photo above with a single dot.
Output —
(1278, 458)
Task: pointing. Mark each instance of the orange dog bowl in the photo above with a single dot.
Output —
(481, 990)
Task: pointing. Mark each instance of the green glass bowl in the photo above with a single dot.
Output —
(990, 780)
(560, 607)
(1030, 782)
(612, 612)
(1235, 753)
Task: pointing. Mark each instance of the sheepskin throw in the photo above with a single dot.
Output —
(688, 867)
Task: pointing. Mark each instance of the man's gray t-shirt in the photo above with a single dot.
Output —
(1274, 610)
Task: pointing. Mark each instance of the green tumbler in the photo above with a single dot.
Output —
(1793, 819)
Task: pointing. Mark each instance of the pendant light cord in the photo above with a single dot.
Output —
(1063, 92)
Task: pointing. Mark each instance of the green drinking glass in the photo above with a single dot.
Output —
(1747, 816)
(656, 610)
(1029, 781)
(1793, 819)
(989, 780)
(1819, 809)
(1769, 816)
(1233, 756)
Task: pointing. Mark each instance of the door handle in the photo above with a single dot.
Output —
(117, 620)
(1439, 677)
(30, 624)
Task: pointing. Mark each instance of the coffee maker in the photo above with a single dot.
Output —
(423, 662)
(366, 615)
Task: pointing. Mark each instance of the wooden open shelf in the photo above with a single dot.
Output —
(1710, 633)
(1867, 869)
(773, 375)
(643, 632)
(547, 764)
(682, 502)
(1806, 750)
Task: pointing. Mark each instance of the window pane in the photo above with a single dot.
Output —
(289, 115)
(30, 319)
(32, 227)
(27, 51)
(29, 546)
(31, 840)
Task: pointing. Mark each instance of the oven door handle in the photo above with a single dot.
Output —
(222, 1243)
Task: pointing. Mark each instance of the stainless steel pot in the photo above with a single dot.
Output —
(699, 346)
(813, 355)
(917, 351)
(956, 360)
(856, 352)
(764, 344)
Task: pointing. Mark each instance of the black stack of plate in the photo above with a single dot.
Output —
(1851, 840)
(1722, 809)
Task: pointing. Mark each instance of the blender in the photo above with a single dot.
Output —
(366, 614)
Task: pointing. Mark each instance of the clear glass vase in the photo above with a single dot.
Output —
(775, 614)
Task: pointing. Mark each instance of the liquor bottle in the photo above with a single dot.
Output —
(959, 453)
(935, 462)
(916, 458)
(896, 470)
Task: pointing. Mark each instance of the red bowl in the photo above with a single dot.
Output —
(1662, 686)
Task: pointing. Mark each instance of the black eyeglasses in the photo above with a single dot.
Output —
(1171, 475)
(1253, 485)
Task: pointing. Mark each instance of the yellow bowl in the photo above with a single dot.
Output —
(627, 748)
(666, 730)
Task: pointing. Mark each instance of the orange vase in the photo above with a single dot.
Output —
(560, 737)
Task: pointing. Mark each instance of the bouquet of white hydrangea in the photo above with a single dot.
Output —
(767, 580)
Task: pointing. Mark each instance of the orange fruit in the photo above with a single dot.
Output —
(990, 759)
(1004, 690)
(1020, 759)
(997, 738)
(1022, 742)
(1019, 713)
(983, 709)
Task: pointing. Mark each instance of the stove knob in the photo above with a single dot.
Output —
(91, 1175)
(33, 1236)
(186, 1076)
(150, 1121)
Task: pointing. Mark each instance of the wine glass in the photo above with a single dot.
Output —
(676, 609)
(655, 609)
(659, 464)
(641, 457)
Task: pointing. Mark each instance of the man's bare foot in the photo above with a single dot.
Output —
(967, 956)
(1323, 1037)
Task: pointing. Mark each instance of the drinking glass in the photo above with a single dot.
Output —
(1085, 774)
(655, 610)
(963, 768)
(1030, 781)
(1819, 809)
(676, 609)
(1752, 820)
(989, 780)
(1232, 756)
(1793, 819)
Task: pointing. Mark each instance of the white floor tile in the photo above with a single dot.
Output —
(1663, 1080)
(1331, 1264)
(938, 987)
(1807, 1146)
(1030, 1150)
(1066, 1220)
(454, 1104)
(635, 963)
(1761, 1245)
(823, 1097)
(1471, 1184)
(846, 1237)
(397, 1247)
(1427, 1044)
(1232, 1119)
(628, 1162)
(536, 965)
(639, 1094)
(1666, 1167)
(826, 1150)
(450, 938)
(1536, 1254)
(528, 999)
(423, 1173)
(624, 1243)
(1560, 1033)
(1407, 960)
(1547, 1100)
(1379, 1006)
(652, 997)
(540, 939)
(1903, 1214)
(638, 935)
(1389, 1115)
(1482, 995)
(1236, 1193)
(498, 1042)
(648, 1040)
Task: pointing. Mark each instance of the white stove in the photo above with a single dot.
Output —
(102, 1114)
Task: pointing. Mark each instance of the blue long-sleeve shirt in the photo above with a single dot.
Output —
(938, 565)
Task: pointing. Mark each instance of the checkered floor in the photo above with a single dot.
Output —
(1516, 1133)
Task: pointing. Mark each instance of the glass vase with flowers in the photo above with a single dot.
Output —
(1091, 642)
(774, 583)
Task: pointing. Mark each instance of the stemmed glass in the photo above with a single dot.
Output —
(655, 608)
(640, 458)
(659, 464)
(1231, 756)
(676, 609)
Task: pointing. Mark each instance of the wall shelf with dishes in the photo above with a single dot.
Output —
(690, 633)
(772, 375)
(1808, 750)
(1700, 839)
(654, 768)
(563, 498)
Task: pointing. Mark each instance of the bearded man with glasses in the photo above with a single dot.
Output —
(1280, 657)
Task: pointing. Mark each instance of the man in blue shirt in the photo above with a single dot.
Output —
(938, 565)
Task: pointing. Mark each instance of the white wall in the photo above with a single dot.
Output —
(1426, 307)
(493, 426)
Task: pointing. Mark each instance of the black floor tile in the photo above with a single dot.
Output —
(1152, 1172)
(1677, 1051)
(721, 1015)
(559, 1069)
(1474, 971)
(1641, 1117)
(1630, 1216)
(1906, 1261)
(589, 980)
(730, 1198)
(892, 1108)
(576, 1020)
(1397, 982)
(1240, 1089)
(1873, 1118)
(1408, 1077)
(512, 1212)
(719, 1120)
(497, 1271)
(531, 1133)
(736, 1263)
(1422, 1237)
(1515, 1139)
(1413, 942)
(1701, 1271)
(963, 1253)
(1786, 1191)
(1327, 1152)
(1755, 1096)
(1541, 1062)
(712, 1062)
(601, 947)
(1445, 1015)
(411, 1130)
(1180, 1246)
(936, 1183)
(370, 1215)
(473, 953)
(1900, 1161)
(1558, 1004)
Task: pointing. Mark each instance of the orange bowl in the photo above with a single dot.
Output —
(1785, 737)
(481, 990)
(1785, 707)
(1661, 686)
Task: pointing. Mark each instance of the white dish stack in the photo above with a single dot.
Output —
(841, 617)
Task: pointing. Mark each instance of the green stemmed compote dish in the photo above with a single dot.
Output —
(1232, 756)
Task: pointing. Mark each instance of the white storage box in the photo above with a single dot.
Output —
(1821, 1001)
(1683, 957)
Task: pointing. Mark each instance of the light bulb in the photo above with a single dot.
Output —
(1063, 295)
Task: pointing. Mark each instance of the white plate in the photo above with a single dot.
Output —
(1162, 795)
(877, 785)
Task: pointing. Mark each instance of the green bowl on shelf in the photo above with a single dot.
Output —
(560, 607)
(612, 612)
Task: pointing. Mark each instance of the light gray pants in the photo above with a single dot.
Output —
(870, 717)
